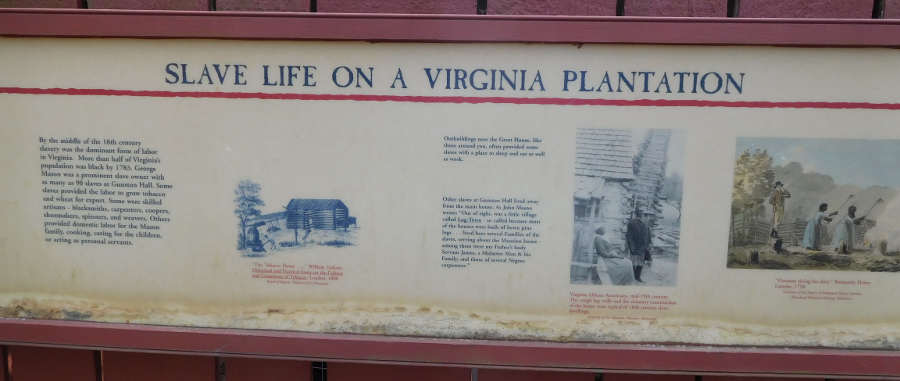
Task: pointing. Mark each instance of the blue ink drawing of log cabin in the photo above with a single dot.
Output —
(321, 214)
(302, 224)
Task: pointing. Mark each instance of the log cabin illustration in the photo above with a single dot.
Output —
(317, 214)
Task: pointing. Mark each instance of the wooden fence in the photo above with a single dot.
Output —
(749, 230)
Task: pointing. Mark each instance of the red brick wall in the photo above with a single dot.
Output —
(38, 3)
(179, 5)
(850, 9)
(262, 5)
(29, 363)
(557, 7)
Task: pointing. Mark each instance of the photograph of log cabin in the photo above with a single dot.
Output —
(815, 204)
(304, 223)
(627, 206)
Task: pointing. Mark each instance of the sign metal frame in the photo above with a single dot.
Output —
(585, 357)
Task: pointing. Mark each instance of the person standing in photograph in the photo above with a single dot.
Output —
(812, 237)
(777, 201)
(637, 237)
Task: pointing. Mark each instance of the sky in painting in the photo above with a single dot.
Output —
(863, 162)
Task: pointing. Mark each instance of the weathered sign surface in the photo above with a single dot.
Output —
(710, 195)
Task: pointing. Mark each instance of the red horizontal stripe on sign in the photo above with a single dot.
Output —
(454, 99)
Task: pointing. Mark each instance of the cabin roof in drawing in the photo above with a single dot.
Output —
(266, 218)
(604, 153)
(270, 216)
(315, 204)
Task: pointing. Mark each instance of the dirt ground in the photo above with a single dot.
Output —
(316, 238)
(798, 258)
(663, 271)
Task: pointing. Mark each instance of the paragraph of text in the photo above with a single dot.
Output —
(101, 191)
(821, 288)
(485, 230)
(283, 273)
(457, 147)
(585, 303)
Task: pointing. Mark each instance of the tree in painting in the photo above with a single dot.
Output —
(248, 203)
(754, 177)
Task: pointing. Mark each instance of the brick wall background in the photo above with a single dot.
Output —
(846, 9)
(34, 363)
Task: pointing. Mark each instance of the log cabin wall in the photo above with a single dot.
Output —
(323, 219)
(319, 214)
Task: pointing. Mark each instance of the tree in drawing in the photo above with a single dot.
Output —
(248, 203)
(672, 189)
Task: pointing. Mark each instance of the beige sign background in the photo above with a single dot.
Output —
(382, 150)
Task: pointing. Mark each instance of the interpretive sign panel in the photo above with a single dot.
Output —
(592, 193)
